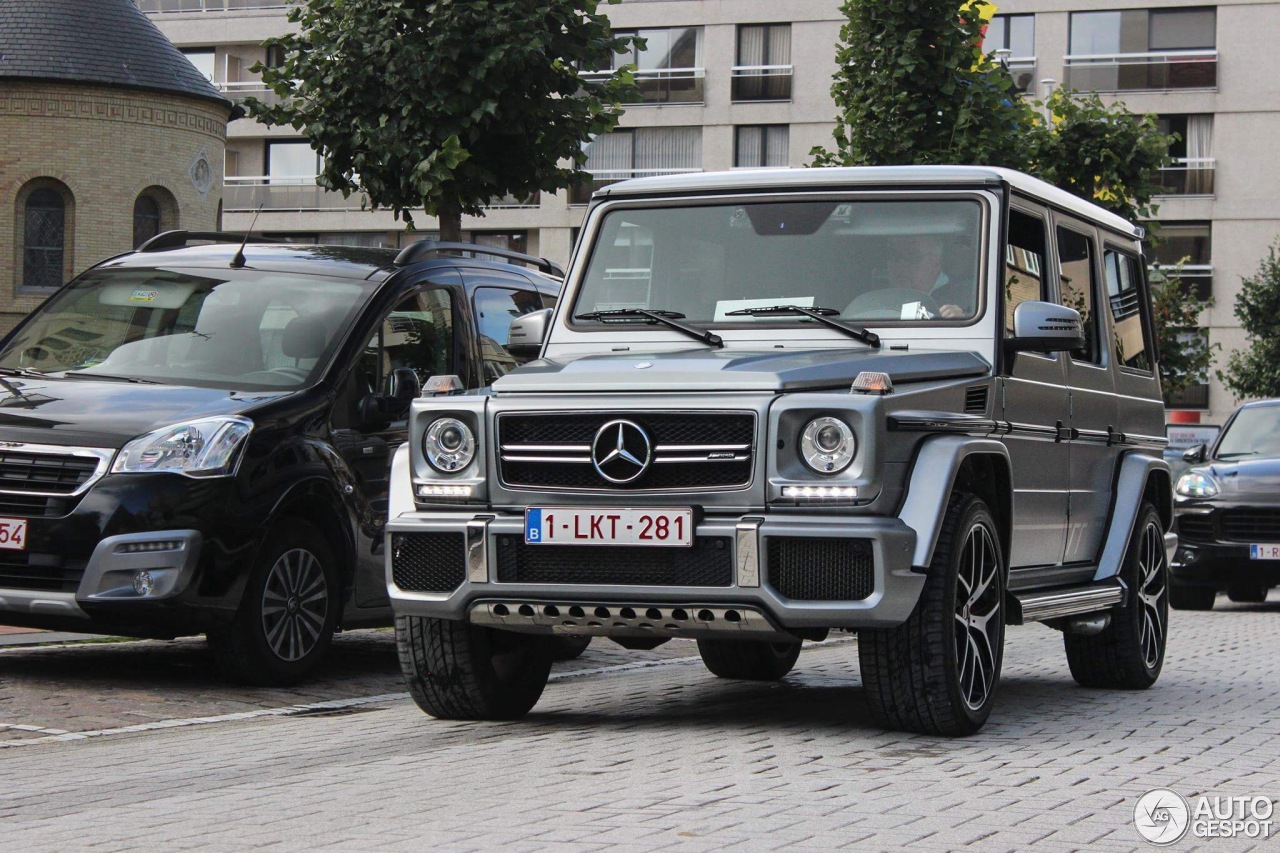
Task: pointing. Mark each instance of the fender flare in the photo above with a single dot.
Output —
(932, 478)
(323, 492)
(1130, 489)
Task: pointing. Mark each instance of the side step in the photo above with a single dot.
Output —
(1044, 604)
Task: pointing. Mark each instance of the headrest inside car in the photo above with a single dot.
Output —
(304, 337)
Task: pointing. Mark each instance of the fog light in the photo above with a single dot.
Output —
(442, 490)
(820, 492)
(148, 547)
(143, 583)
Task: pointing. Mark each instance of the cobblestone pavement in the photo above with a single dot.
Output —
(659, 755)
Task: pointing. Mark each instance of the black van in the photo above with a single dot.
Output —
(197, 438)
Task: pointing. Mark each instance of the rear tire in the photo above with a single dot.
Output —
(1129, 653)
(1186, 597)
(458, 671)
(1246, 592)
(938, 672)
(748, 660)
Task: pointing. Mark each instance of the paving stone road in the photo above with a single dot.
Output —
(656, 756)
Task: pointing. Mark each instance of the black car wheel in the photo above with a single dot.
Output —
(1190, 597)
(1247, 592)
(749, 660)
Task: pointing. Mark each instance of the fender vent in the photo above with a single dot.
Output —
(975, 400)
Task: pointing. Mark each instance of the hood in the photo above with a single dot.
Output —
(1255, 476)
(735, 370)
(108, 414)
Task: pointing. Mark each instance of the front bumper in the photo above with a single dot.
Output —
(750, 586)
(1212, 551)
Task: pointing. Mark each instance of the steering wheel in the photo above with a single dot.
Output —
(887, 304)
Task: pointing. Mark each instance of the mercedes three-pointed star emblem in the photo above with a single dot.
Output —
(621, 451)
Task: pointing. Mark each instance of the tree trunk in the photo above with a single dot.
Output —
(450, 216)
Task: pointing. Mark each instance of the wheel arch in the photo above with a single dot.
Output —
(316, 502)
(1140, 479)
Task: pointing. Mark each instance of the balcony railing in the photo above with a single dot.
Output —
(664, 85)
(300, 193)
(237, 92)
(1197, 277)
(1188, 176)
(762, 82)
(161, 6)
(581, 193)
(1127, 72)
(1023, 71)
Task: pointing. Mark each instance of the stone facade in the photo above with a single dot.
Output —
(100, 147)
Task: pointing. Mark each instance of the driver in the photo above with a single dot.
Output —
(917, 266)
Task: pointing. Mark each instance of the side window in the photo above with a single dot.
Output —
(418, 334)
(1124, 296)
(1023, 264)
(1075, 276)
(495, 309)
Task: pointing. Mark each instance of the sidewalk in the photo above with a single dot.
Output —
(11, 636)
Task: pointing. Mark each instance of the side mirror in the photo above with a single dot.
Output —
(1195, 455)
(525, 337)
(403, 387)
(1045, 327)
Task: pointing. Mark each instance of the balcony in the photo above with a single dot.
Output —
(1198, 278)
(1023, 72)
(237, 92)
(297, 194)
(163, 6)
(762, 82)
(1130, 72)
(1188, 176)
(580, 193)
(663, 85)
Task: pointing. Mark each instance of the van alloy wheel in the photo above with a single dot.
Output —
(295, 603)
(978, 632)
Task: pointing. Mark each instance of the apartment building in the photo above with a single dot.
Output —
(746, 83)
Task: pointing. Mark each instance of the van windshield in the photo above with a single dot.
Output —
(881, 260)
(236, 329)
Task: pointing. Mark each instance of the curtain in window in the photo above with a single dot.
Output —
(661, 150)
(751, 45)
(44, 238)
(762, 146)
(609, 156)
(1199, 147)
(779, 45)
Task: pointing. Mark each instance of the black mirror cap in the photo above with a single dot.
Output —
(403, 385)
(1195, 454)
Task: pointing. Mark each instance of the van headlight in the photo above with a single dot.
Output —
(1196, 484)
(449, 445)
(209, 447)
(827, 445)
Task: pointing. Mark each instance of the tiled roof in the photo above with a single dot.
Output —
(94, 41)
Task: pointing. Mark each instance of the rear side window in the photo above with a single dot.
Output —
(1023, 264)
(1124, 295)
(1075, 274)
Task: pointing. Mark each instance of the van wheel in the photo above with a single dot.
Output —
(938, 672)
(1129, 653)
(568, 648)
(749, 660)
(1186, 597)
(1246, 592)
(287, 615)
(459, 671)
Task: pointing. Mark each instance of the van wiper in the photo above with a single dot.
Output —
(822, 315)
(669, 319)
(137, 380)
(20, 371)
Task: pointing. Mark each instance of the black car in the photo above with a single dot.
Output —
(1228, 513)
(197, 439)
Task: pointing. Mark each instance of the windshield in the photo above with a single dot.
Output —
(869, 260)
(1253, 432)
(235, 329)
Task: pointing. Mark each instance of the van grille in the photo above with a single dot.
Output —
(62, 474)
(39, 572)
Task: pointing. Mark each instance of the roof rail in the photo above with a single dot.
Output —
(177, 239)
(424, 249)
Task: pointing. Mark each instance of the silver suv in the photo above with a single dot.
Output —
(917, 403)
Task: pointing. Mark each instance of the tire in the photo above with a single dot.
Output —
(748, 660)
(1129, 653)
(938, 672)
(288, 612)
(568, 648)
(1246, 592)
(1187, 597)
(459, 671)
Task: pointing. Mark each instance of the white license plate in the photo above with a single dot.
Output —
(589, 526)
(1264, 552)
(13, 534)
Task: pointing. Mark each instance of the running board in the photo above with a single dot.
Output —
(1040, 605)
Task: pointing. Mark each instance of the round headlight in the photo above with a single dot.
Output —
(1195, 484)
(827, 445)
(449, 445)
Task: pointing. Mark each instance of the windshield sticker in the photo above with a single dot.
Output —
(141, 295)
(724, 306)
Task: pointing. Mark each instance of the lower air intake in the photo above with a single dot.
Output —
(821, 569)
(428, 562)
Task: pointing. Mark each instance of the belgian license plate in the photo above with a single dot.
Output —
(13, 534)
(1264, 552)
(589, 526)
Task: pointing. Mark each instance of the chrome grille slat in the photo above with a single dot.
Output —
(41, 470)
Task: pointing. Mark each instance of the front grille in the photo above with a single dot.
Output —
(690, 450)
(39, 572)
(428, 562)
(821, 569)
(1250, 525)
(22, 471)
(1195, 528)
(709, 562)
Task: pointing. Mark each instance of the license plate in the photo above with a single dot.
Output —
(587, 526)
(13, 534)
(1264, 552)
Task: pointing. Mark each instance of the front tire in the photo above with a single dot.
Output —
(1187, 597)
(748, 660)
(459, 671)
(1247, 592)
(1129, 653)
(938, 672)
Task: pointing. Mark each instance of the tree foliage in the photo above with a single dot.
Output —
(1255, 371)
(446, 105)
(1185, 354)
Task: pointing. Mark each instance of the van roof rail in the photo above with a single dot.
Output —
(424, 249)
(177, 239)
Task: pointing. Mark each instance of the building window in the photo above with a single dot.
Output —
(637, 153)
(1192, 169)
(1192, 243)
(760, 146)
(763, 69)
(1017, 35)
(669, 68)
(146, 219)
(44, 236)
(204, 61)
(1134, 49)
(292, 163)
(275, 56)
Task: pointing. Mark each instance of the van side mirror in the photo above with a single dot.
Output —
(1195, 455)
(1045, 327)
(525, 337)
(403, 387)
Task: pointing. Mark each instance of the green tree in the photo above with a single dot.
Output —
(1185, 354)
(446, 105)
(1255, 371)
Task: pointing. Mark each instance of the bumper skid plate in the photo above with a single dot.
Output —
(626, 620)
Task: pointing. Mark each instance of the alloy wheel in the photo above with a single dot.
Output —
(1153, 587)
(295, 604)
(979, 622)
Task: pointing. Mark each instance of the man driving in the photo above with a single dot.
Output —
(916, 280)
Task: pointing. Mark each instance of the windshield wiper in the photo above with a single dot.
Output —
(20, 371)
(77, 374)
(669, 319)
(822, 315)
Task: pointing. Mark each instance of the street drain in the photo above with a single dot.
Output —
(332, 712)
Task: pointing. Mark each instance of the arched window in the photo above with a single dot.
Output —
(146, 219)
(44, 239)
